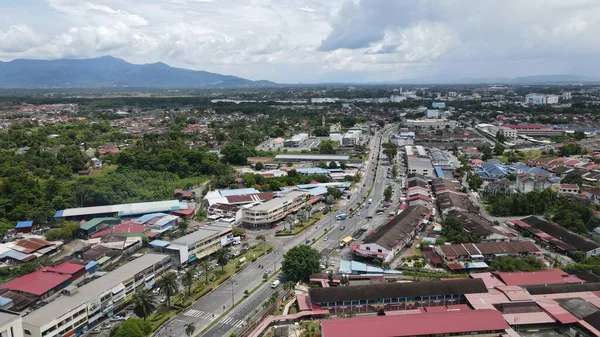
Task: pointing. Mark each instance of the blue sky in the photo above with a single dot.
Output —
(293, 41)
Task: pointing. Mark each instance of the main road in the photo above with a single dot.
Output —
(212, 306)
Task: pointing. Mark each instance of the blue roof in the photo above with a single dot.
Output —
(24, 224)
(4, 301)
(317, 191)
(159, 243)
(439, 172)
(312, 170)
(91, 265)
(13, 254)
(145, 218)
(355, 267)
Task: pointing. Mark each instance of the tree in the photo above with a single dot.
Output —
(394, 171)
(190, 328)
(168, 286)
(326, 148)
(500, 137)
(334, 192)
(579, 135)
(380, 311)
(333, 165)
(72, 157)
(300, 262)
(143, 303)
(390, 153)
(133, 328)
(222, 257)
(512, 264)
(188, 279)
(475, 182)
(453, 231)
(259, 166)
(235, 154)
(238, 231)
(205, 267)
(498, 149)
(183, 226)
(387, 193)
(486, 152)
(262, 239)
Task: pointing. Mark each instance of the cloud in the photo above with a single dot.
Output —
(18, 38)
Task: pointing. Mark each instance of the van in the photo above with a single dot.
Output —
(275, 284)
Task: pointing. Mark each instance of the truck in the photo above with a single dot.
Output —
(370, 200)
(340, 216)
(345, 241)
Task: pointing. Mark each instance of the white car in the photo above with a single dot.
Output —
(325, 238)
(162, 300)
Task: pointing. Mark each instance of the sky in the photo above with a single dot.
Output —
(311, 41)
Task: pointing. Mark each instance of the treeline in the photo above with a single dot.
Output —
(578, 217)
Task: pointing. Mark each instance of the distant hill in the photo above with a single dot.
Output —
(108, 72)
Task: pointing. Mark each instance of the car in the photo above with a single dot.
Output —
(322, 266)
(358, 213)
(156, 290)
(342, 228)
(163, 299)
(325, 238)
(104, 326)
(119, 317)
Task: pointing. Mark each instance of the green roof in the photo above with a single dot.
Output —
(103, 259)
(97, 221)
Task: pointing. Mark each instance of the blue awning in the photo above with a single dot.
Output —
(24, 224)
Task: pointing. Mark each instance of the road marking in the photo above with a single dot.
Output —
(199, 314)
(232, 322)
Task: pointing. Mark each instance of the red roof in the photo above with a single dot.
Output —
(548, 276)
(37, 283)
(66, 268)
(416, 324)
(30, 245)
(125, 227)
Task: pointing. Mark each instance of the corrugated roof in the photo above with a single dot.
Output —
(24, 224)
(65, 268)
(396, 230)
(547, 276)
(36, 283)
(124, 209)
(423, 324)
(147, 217)
(97, 221)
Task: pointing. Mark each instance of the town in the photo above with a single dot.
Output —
(335, 211)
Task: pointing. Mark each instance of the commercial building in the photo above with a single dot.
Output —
(200, 243)
(96, 224)
(481, 227)
(438, 105)
(480, 252)
(420, 165)
(273, 210)
(538, 99)
(11, 324)
(394, 296)
(121, 210)
(431, 123)
(403, 138)
(296, 140)
(534, 130)
(350, 139)
(449, 322)
(240, 196)
(433, 113)
(392, 237)
(440, 158)
(560, 238)
(311, 158)
(416, 150)
(80, 308)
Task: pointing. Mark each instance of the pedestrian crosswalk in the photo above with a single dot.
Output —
(232, 321)
(200, 314)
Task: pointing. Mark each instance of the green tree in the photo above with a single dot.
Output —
(579, 135)
(183, 225)
(512, 264)
(326, 148)
(205, 267)
(168, 286)
(387, 193)
(498, 149)
(333, 165)
(334, 192)
(190, 328)
(72, 157)
(236, 154)
(262, 239)
(222, 256)
(259, 166)
(133, 328)
(475, 182)
(390, 153)
(300, 262)
(453, 231)
(500, 137)
(189, 275)
(394, 171)
(143, 303)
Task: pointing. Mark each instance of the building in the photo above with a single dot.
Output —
(534, 130)
(568, 188)
(121, 210)
(80, 308)
(560, 238)
(392, 237)
(433, 113)
(291, 158)
(440, 158)
(198, 244)
(438, 105)
(531, 182)
(96, 224)
(273, 210)
(475, 252)
(350, 139)
(403, 138)
(335, 137)
(431, 123)
(11, 324)
(24, 227)
(335, 128)
(394, 296)
(508, 133)
(538, 99)
(449, 322)
(420, 165)
(481, 227)
(296, 140)
(449, 200)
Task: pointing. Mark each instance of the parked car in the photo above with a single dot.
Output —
(325, 238)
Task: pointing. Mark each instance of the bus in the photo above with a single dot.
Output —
(345, 241)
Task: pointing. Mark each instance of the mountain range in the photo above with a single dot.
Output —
(109, 72)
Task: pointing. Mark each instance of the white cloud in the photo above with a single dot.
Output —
(318, 40)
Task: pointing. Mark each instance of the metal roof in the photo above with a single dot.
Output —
(203, 233)
(147, 217)
(86, 293)
(124, 209)
(159, 243)
(24, 224)
(324, 157)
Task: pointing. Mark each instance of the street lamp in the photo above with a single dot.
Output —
(232, 300)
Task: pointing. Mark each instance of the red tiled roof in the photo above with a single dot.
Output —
(66, 268)
(36, 283)
(548, 276)
(455, 322)
(238, 199)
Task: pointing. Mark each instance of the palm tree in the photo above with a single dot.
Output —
(222, 257)
(168, 286)
(205, 266)
(143, 303)
(262, 239)
(188, 278)
(289, 286)
(190, 328)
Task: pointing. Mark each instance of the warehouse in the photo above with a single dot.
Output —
(311, 157)
(121, 210)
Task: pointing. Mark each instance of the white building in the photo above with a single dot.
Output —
(296, 140)
(433, 113)
(274, 209)
(397, 98)
(78, 308)
(420, 165)
(335, 128)
(350, 139)
(11, 325)
(202, 242)
(431, 123)
(541, 99)
(335, 137)
(508, 133)
(531, 182)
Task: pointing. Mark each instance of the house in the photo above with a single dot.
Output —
(500, 187)
(527, 182)
(24, 227)
(492, 171)
(483, 228)
(593, 194)
(568, 188)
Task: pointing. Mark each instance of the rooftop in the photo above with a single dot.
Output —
(546, 276)
(64, 304)
(558, 232)
(277, 202)
(423, 324)
(211, 230)
(36, 283)
(124, 209)
(24, 224)
(396, 230)
(324, 157)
